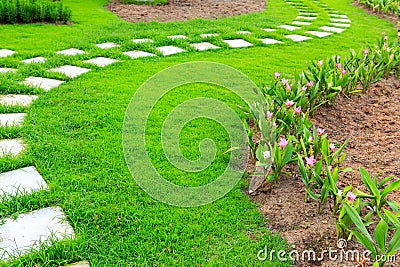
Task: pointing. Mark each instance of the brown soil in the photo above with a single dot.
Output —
(393, 18)
(180, 10)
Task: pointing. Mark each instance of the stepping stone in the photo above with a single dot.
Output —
(297, 38)
(332, 29)
(338, 16)
(34, 60)
(107, 45)
(306, 18)
(17, 100)
(341, 20)
(319, 34)
(11, 147)
(204, 46)
(24, 181)
(269, 41)
(174, 37)
(237, 43)
(138, 54)
(301, 23)
(71, 52)
(308, 14)
(70, 71)
(79, 264)
(6, 52)
(43, 83)
(169, 50)
(141, 41)
(334, 11)
(101, 61)
(243, 32)
(12, 119)
(206, 35)
(7, 70)
(269, 30)
(339, 25)
(30, 230)
(289, 27)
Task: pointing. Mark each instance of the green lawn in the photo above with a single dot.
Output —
(74, 133)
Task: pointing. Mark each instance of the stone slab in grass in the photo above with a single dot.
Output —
(70, 71)
(268, 30)
(107, 45)
(6, 52)
(332, 29)
(207, 35)
(174, 37)
(7, 70)
(169, 50)
(34, 60)
(11, 147)
(142, 41)
(101, 61)
(12, 119)
(341, 20)
(79, 264)
(319, 34)
(138, 54)
(305, 18)
(297, 38)
(339, 25)
(308, 14)
(29, 230)
(21, 181)
(289, 27)
(243, 32)
(237, 43)
(269, 41)
(204, 46)
(338, 16)
(17, 100)
(43, 83)
(301, 23)
(71, 52)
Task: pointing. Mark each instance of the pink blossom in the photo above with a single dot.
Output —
(310, 84)
(398, 34)
(330, 168)
(343, 71)
(289, 103)
(270, 114)
(297, 110)
(383, 33)
(311, 161)
(320, 63)
(285, 81)
(274, 124)
(338, 58)
(366, 67)
(332, 146)
(339, 65)
(289, 87)
(282, 142)
(351, 196)
(391, 56)
(320, 131)
(384, 44)
(366, 51)
(272, 102)
(385, 38)
(277, 74)
(304, 88)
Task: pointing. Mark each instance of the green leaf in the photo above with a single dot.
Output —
(288, 153)
(391, 187)
(392, 218)
(355, 217)
(394, 243)
(380, 234)
(369, 183)
(364, 241)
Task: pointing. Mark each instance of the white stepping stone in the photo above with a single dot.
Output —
(12, 119)
(17, 100)
(204, 46)
(289, 27)
(237, 43)
(35, 60)
(332, 29)
(319, 34)
(79, 264)
(341, 20)
(71, 52)
(268, 30)
(101, 61)
(6, 52)
(43, 83)
(30, 230)
(7, 70)
(142, 40)
(269, 41)
(107, 45)
(339, 25)
(243, 32)
(70, 71)
(138, 54)
(301, 23)
(305, 18)
(11, 147)
(21, 181)
(169, 50)
(174, 37)
(335, 11)
(298, 38)
(206, 35)
(338, 16)
(308, 14)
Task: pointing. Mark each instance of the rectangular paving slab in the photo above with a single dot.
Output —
(34, 60)
(269, 41)
(11, 147)
(319, 34)
(17, 100)
(341, 20)
(71, 52)
(339, 25)
(332, 29)
(298, 38)
(338, 16)
(138, 54)
(269, 30)
(289, 27)
(79, 264)
(308, 14)
(237, 43)
(206, 35)
(70, 71)
(169, 50)
(7, 70)
(101, 61)
(43, 83)
(12, 119)
(305, 18)
(30, 230)
(107, 45)
(204, 46)
(6, 52)
(301, 23)
(142, 40)
(21, 181)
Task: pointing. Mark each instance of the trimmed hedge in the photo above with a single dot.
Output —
(30, 11)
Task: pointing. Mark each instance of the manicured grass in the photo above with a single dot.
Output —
(74, 134)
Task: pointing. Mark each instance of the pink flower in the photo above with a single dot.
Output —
(289, 87)
(385, 38)
(339, 65)
(310, 84)
(274, 124)
(383, 33)
(289, 103)
(277, 74)
(351, 196)
(343, 71)
(365, 51)
(297, 110)
(320, 63)
(398, 34)
(320, 131)
(311, 161)
(282, 142)
(272, 102)
(391, 56)
(330, 168)
(285, 81)
(270, 114)
(366, 67)
(304, 88)
(384, 44)
(338, 58)
(332, 147)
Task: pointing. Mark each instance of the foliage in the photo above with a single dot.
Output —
(385, 6)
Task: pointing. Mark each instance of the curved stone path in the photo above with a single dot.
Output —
(29, 230)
